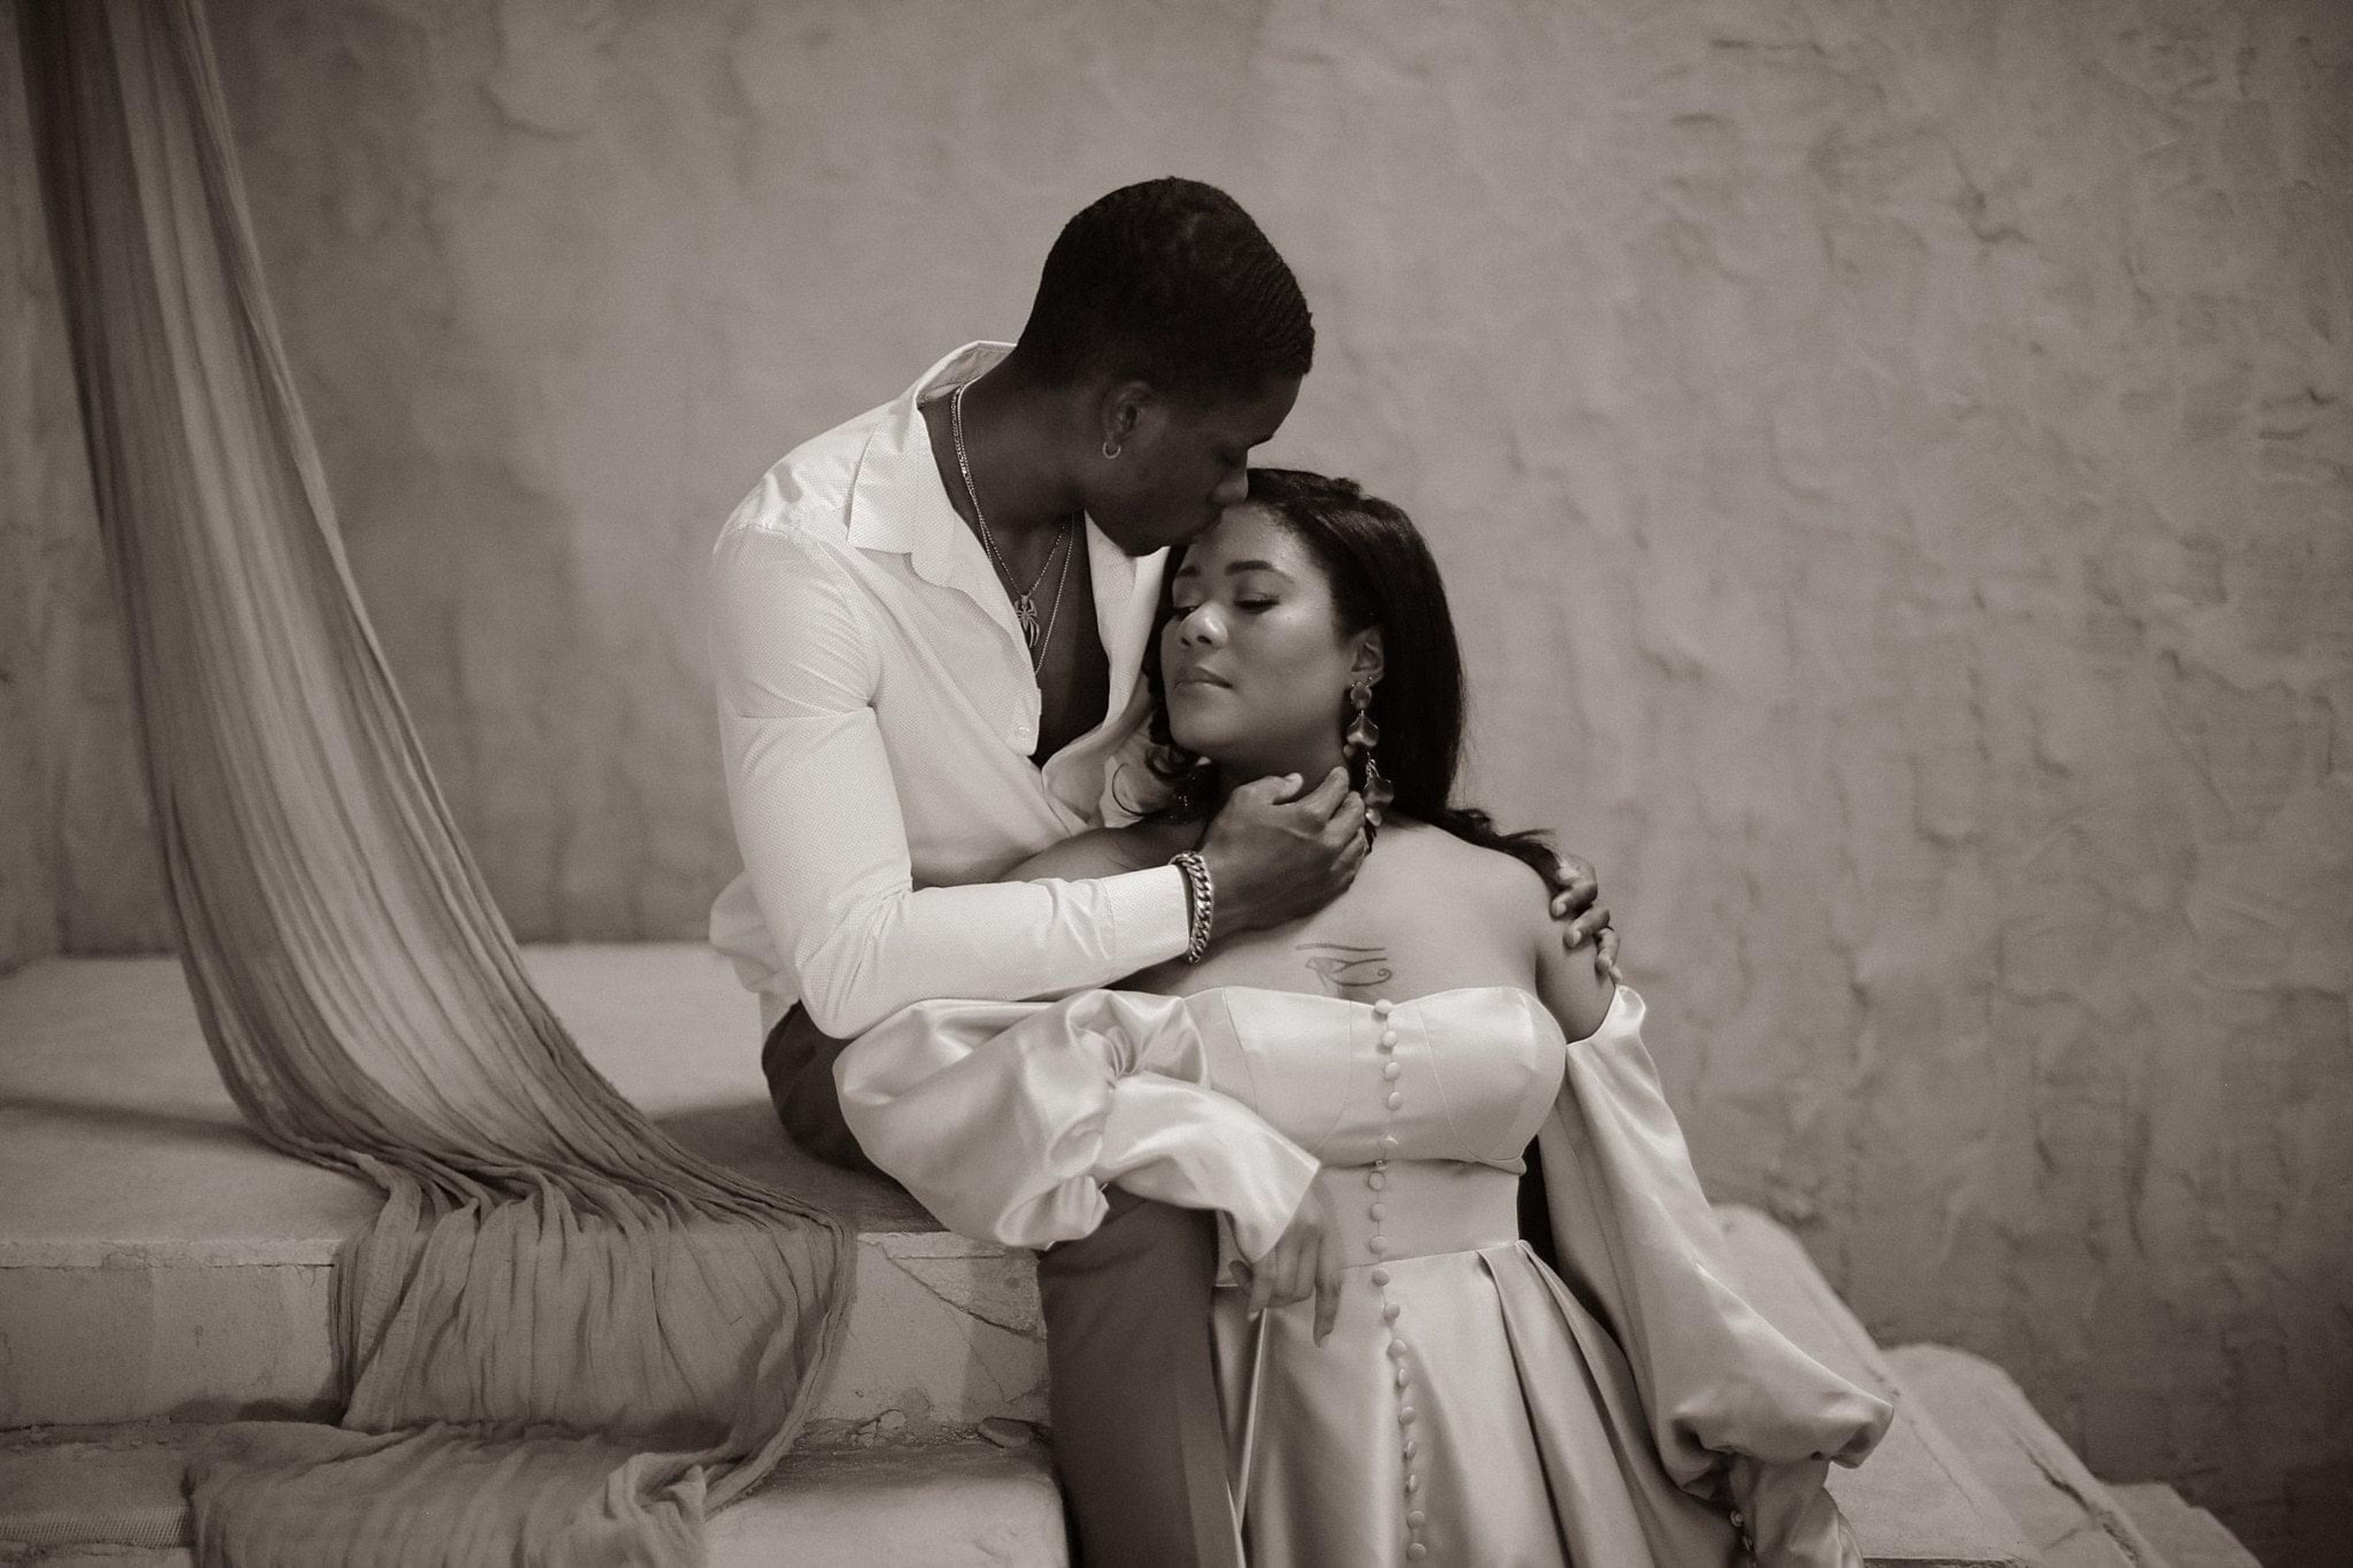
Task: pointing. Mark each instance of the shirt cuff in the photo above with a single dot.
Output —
(1258, 1225)
(1151, 920)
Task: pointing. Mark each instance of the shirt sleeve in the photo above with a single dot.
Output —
(817, 814)
(1008, 1120)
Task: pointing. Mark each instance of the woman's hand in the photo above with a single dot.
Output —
(1577, 891)
(1305, 1262)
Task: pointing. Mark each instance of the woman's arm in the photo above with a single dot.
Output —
(1728, 1399)
(1099, 852)
(1007, 1119)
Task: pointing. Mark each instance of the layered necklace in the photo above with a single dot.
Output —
(1025, 602)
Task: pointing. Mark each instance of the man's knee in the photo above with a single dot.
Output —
(797, 1061)
(1149, 1263)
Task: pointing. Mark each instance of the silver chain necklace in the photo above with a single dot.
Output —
(1025, 606)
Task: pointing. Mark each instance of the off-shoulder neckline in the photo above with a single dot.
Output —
(1619, 991)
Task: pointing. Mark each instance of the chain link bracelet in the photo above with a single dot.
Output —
(1203, 898)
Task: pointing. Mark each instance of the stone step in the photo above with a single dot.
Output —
(2068, 1515)
(2185, 1535)
(158, 1263)
(114, 1496)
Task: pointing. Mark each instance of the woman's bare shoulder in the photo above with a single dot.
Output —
(1494, 879)
(1489, 900)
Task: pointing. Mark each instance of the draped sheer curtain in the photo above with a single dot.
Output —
(565, 1337)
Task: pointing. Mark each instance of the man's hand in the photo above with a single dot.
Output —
(1577, 892)
(1305, 1262)
(1273, 859)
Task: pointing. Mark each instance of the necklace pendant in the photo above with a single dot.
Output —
(1024, 611)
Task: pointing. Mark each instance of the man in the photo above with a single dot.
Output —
(930, 623)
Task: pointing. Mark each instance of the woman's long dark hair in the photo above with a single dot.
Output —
(1382, 575)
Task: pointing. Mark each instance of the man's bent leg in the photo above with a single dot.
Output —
(1132, 1388)
(797, 1061)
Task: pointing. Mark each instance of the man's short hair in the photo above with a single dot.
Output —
(1170, 282)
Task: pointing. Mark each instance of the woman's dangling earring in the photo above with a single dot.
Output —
(1357, 743)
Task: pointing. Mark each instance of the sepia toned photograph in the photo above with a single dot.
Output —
(1100, 784)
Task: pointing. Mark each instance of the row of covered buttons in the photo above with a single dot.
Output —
(1377, 1178)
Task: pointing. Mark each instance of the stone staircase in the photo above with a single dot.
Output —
(159, 1269)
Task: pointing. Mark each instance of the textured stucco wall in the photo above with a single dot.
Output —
(1894, 460)
(75, 868)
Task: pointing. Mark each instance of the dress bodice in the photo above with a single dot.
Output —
(1467, 1074)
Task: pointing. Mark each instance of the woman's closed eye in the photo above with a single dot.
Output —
(1180, 610)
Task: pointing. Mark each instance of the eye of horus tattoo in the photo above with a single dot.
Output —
(1343, 966)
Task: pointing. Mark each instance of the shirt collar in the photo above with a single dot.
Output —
(898, 504)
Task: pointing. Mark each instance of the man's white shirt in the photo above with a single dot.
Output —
(877, 713)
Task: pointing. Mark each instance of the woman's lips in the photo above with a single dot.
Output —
(1197, 677)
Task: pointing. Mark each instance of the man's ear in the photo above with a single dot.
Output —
(1369, 664)
(1126, 407)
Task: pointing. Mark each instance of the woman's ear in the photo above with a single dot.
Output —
(1369, 664)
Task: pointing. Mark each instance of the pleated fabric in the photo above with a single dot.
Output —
(565, 1337)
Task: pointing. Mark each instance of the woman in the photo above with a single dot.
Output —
(1405, 1380)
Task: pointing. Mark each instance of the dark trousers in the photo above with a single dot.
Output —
(1132, 1391)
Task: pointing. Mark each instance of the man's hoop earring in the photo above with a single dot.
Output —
(1109, 450)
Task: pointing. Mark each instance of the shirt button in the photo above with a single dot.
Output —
(1416, 1519)
(1397, 1350)
(1380, 1276)
(1416, 1552)
(1389, 1037)
(1395, 1100)
(1380, 1211)
(1381, 1008)
(1389, 1311)
(1405, 1418)
(1390, 1071)
(1378, 1246)
(1412, 1484)
(1375, 1181)
(1411, 1445)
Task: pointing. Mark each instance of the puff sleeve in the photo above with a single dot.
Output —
(1007, 1119)
(1735, 1408)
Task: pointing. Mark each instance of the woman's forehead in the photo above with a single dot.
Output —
(1247, 532)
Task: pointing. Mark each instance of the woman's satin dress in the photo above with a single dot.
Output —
(1471, 1406)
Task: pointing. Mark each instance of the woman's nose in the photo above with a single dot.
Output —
(1201, 625)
